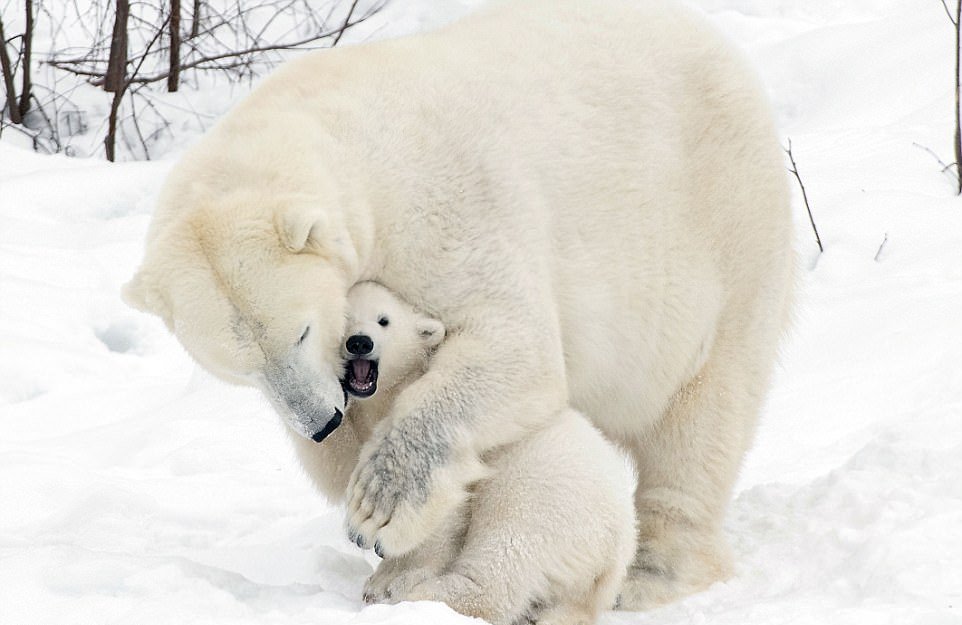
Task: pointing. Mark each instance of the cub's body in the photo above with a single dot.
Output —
(547, 533)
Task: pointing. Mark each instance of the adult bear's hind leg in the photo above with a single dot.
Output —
(687, 464)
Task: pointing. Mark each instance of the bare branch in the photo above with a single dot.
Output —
(794, 170)
(347, 20)
(7, 69)
(111, 138)
(945, 167)
(80, 72)
(54, 131)
(33, 135)
(140, 134)
(957, 137)
(884, 241)
(948, 12)
(203, 62)
(198, 63)
(232, 40)
(165, 122)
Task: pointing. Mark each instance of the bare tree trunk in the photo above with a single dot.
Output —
(110, 141)
(25, 60)
(116, 78)
(7, 70)
(117, 63)
(173, 79)
(195, 20)
(958, 126)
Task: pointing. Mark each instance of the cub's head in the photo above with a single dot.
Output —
(255, 290)
(386, 340)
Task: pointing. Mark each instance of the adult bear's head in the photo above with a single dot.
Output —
(254, 286)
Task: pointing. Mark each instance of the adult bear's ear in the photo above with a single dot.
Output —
(300, 228)
(309, 230)
(431, 331)
(141, 294)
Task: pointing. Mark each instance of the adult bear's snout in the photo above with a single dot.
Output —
(330, 427)
(309, 401)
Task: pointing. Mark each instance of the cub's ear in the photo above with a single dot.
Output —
(139, 293)
(431, 331)
(309, 230)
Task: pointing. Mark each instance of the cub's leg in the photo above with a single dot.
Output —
(396, 576)
(551, 532)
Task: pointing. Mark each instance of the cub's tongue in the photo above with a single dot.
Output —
(361, 369)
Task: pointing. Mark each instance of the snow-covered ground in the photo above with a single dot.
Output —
(135, 488)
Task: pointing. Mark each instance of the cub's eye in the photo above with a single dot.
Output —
(383, 321)
(304, 335)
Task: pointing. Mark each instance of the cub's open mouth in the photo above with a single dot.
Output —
(360, 377)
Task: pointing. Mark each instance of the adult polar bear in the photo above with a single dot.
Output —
(589, 196)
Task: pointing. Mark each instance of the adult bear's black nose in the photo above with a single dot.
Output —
(360, 344)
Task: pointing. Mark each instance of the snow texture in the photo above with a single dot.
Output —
(136, 488)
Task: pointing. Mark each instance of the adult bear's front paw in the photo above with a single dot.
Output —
(400, 493)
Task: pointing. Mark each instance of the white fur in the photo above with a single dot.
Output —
(588, 195)
(548, 532)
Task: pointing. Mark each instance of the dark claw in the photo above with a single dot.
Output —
(378, 550)
(359, 541)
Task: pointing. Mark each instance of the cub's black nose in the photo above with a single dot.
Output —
(360, 344)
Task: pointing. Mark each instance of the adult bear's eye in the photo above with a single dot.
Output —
(383, 321)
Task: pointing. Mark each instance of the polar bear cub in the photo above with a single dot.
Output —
(547, 535)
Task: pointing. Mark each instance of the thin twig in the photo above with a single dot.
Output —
(948, 12)
(347, 20)
(794, 170)
(110, 139)
(54, 129)
(198, 63)
(31, 134)
(879, 252)
(136, 122)
(945, 167)
(6, 68)
(957, 136)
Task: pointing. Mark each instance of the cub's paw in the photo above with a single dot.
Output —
(460, 593)
(394, 589)
(449, 588)
(376, 586)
